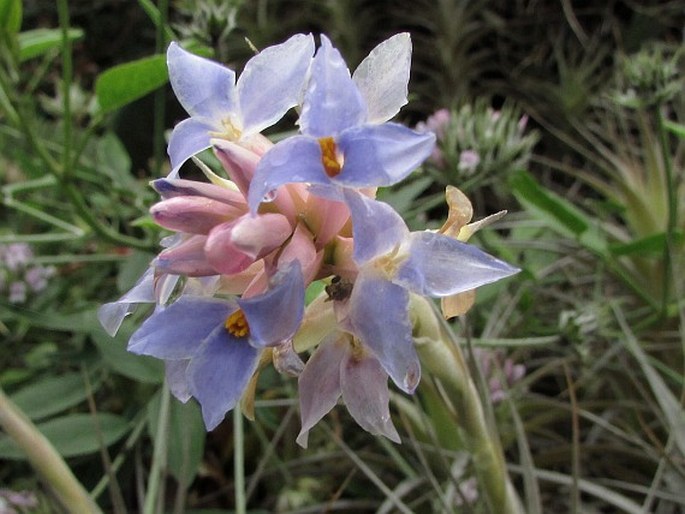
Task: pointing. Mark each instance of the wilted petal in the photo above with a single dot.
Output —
(275, 315)
(219, 373)
(188, 138)
(460, 212)
(176, 379)
(319, 384)
(203, 87)
(187, 258)
(382, 77)
(381, 155)
(457, 304)
(380, 319)
(193, 214)
(332, 101)
(272, 82)
(111, 315)
(285, 359)
(364, 387)
(177, 331)
(376, 227)
(440, 266)
(296, 159)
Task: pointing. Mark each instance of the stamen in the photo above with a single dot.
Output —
(329, 156)
(236, 324)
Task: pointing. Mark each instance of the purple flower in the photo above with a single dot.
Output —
(342, 366)
(221, 107)
(393, 262)
(16, 255)
(344, 142)
(18, 292)
(37, 277)
(216, 343)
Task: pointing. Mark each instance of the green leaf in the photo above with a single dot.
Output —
(125, 83)
(137, 367)
(36, 42)
(560, 214)
(10, 16)
(186, 438)
(73, 435)
(676, 128)
(51, 395)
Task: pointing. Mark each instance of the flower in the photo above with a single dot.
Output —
(216, 343)
(342, 366)
(220, 106)
(393, 262)
(345, 140)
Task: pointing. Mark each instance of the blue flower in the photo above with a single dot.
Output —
(394, 262)
(342, 366)
(220, 107)
(344, 142)
(215, 344)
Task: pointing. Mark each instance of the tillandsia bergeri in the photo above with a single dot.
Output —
(229, 286)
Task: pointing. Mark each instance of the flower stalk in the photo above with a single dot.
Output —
(442, 357)
(45, 459)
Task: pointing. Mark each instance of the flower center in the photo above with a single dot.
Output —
(389, 263)
(329, 156)
(236, 324)
(232, 130)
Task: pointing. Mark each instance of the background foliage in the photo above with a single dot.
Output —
(575, 112)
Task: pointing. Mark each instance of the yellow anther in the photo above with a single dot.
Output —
(329, 156)
(236, 324)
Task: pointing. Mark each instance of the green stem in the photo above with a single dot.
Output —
(160, 453)
(239, 462)
(67, 73)
(672, 222)
(441, 354)
(45, 459)
(160, 94)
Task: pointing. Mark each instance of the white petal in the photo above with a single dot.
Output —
(382, 77)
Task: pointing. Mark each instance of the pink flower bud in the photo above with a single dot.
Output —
(193, 214)
(187, 258)
(231, 247)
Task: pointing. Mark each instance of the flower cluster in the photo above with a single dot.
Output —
(476, 143)
(229, 286)
(19, 274)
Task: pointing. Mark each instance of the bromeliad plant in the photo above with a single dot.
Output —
(229, 287)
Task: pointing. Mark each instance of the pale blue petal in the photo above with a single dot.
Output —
(382, 77)
(296, 159)
(439, 265)
(376, 227)
(275, 315)
(111, 315)
(177, 331)
(319, 383)
(332, 101)
(204, 88)
(188, 138)
(219, 374)
(365, 392)
(380, 319)
(272, 82)
(381, 155)
(176, 379)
